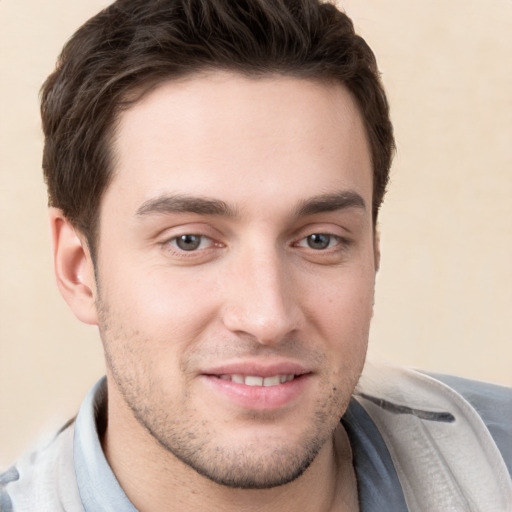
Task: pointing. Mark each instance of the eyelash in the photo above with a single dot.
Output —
(171, 246)
(202, 239)
(338, 241)
(302, 242)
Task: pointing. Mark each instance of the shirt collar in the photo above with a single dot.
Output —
(98, 487)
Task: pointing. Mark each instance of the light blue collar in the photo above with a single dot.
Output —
(99, 489)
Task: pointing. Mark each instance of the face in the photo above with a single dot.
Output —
(235, 271)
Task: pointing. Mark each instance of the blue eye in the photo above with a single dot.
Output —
(319, 241)
(190, 242)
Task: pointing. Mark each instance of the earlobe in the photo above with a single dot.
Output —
(73, 267)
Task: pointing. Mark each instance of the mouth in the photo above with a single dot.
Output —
(255, 380)
(253, 386)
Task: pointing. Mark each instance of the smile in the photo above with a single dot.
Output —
(252, 380)
(254, 387)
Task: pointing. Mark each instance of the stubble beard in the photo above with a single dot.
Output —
(249, 466)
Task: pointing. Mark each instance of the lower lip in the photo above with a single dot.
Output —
(264, 398)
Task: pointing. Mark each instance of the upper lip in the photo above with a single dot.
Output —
(258, 368)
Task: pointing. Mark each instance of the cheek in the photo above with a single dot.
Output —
(158, 304)
(343, 321)
(346, 304)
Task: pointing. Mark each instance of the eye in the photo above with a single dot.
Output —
(190, 242)
(319, 241)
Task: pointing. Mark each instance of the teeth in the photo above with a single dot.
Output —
(252, 380)
(271, 381)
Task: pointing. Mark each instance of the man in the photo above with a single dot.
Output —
(215, 171)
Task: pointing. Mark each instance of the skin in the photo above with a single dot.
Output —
(257, 170)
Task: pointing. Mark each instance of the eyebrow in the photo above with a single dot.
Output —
(330, 203)
(185, 204)
(209, 206)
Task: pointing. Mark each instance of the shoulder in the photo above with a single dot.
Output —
(494, 405)
(43, 480)
(448, 434)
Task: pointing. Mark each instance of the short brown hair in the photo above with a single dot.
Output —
(134, 44)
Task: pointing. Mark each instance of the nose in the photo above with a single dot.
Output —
(261, 299)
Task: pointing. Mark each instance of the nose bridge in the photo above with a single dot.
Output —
(261, 301)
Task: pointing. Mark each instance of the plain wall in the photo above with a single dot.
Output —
(444, 290)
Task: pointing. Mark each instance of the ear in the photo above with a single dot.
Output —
(376, 248)
(73, 268)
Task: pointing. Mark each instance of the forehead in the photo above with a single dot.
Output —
(233, 136)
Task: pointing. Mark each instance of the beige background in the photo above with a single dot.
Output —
(444, 292)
